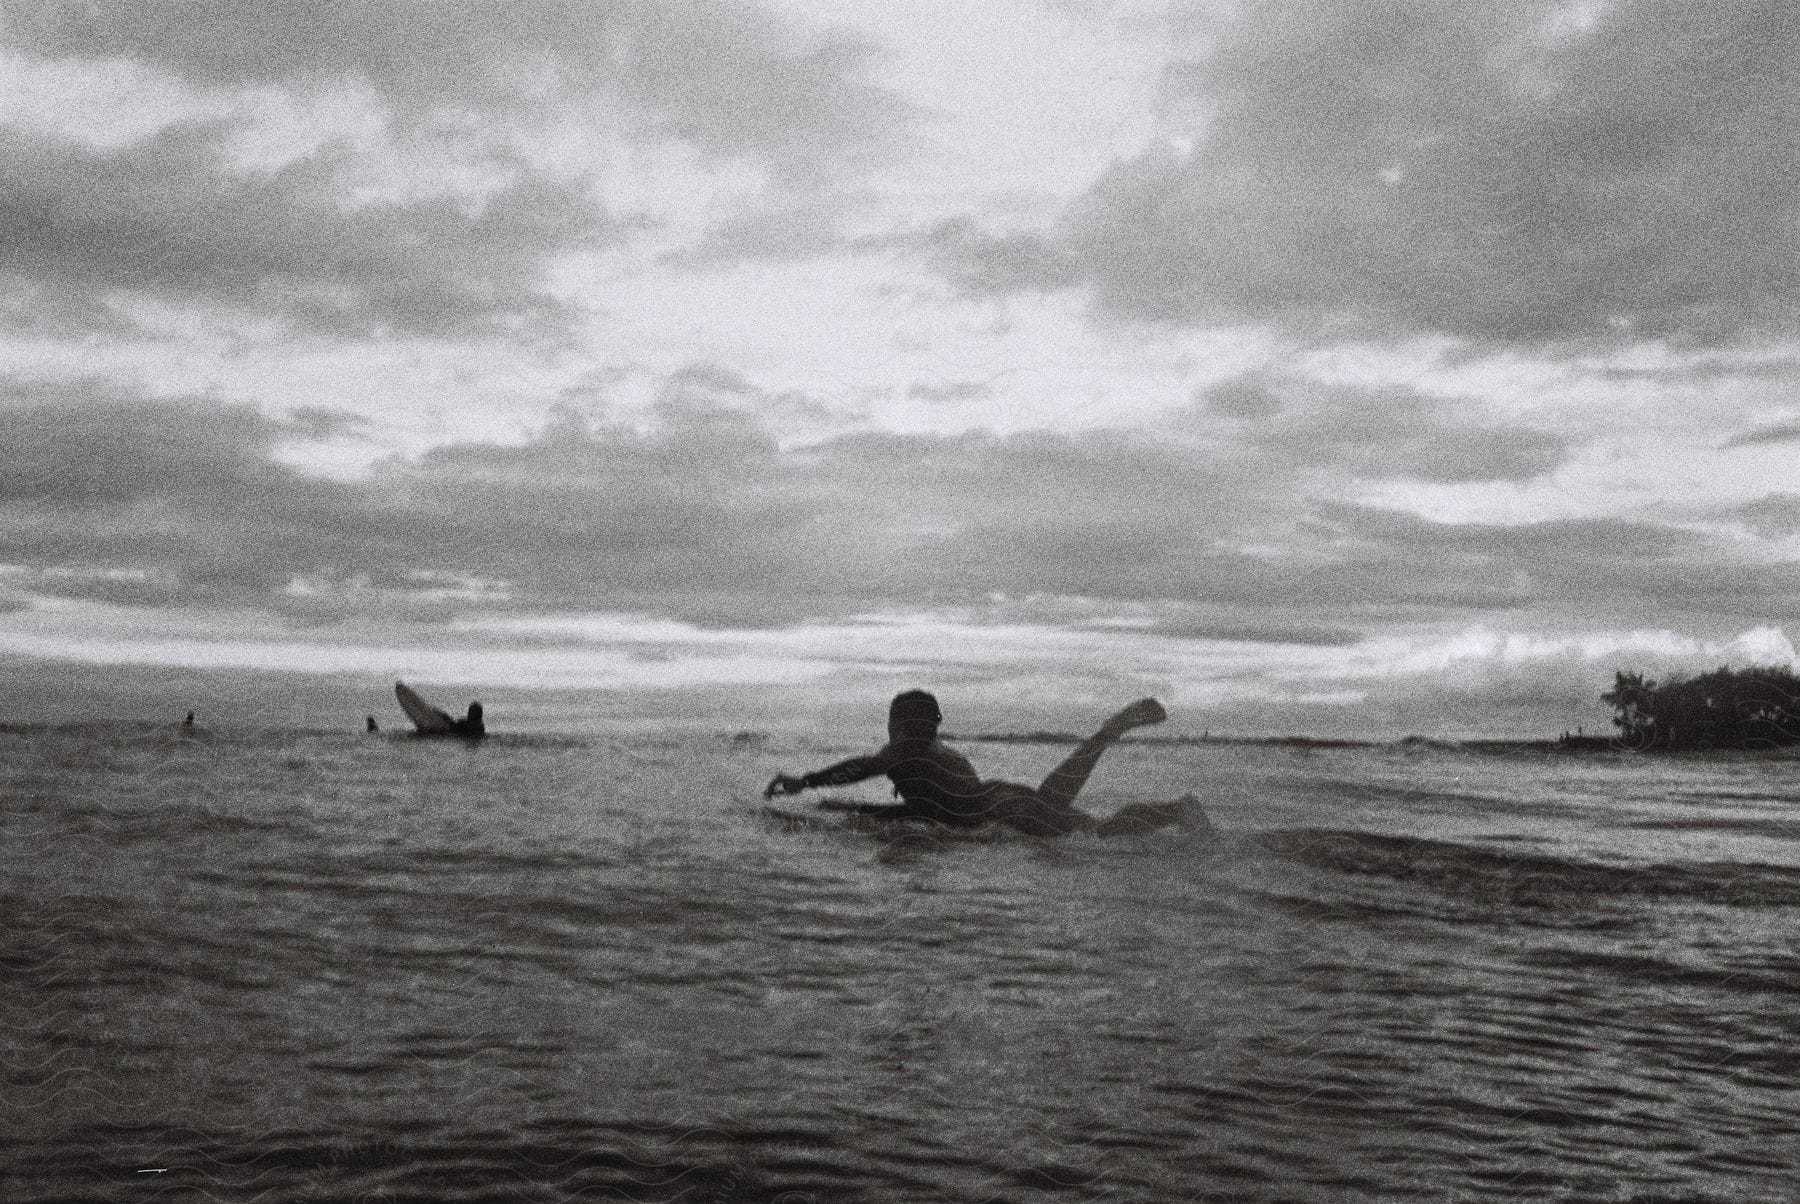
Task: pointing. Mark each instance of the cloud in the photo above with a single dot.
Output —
(1245, 397)
(1778, 432)
(1465, 680)
(1772, 516)
(184, 496)
(981, 263)
(1093, 561)
(710, 386)
(1388, 433)
(779, 226)
(85, 443)
(1703, 368)
(460, 113)
(948, 391)
(1619, 571)
(698, 511)
(173, 500)
(326, 422)
(169, 218)
(1158, 618)
(1265, 629)
(723, 76)
(695, 511)
(612, 512)
(1526, 171)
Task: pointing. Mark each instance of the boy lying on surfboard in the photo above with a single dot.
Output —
(937, 783)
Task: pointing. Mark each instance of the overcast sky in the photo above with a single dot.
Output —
(1328, 366)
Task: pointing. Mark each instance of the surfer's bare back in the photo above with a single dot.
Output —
(937, 783)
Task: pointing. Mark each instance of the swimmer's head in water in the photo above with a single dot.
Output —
(914, 715)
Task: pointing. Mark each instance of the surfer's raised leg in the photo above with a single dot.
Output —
(1066, 780)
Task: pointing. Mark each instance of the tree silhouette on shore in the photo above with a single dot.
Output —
(1753, 707)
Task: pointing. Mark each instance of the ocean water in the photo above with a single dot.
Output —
(285, 965)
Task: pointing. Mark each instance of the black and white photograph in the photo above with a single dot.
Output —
(899, 601)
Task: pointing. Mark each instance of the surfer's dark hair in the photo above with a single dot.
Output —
(915, 706)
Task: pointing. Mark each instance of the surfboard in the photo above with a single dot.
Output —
(429, 720)
(842, 817)
(848, 815)
(797, 819)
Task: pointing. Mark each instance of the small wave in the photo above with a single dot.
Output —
(1363, 790)
(627, 1161)
(1528, 879)
(530, 740)
(170, 822)
(1775, 976)
(1777, 829)
(368, 870)
(1734, 796)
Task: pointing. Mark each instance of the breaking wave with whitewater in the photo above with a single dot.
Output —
(298, 965)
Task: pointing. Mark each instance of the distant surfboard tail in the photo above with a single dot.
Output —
(429, 720)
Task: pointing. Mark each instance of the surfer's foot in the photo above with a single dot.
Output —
(1139, 819)
(1191, 815)
(1142, 713)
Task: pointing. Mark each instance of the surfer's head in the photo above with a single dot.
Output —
(914, 715)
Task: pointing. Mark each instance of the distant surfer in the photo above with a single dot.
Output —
(428, 720)
(373, 726)
(188, 723)
(470, 725)
(937, 783)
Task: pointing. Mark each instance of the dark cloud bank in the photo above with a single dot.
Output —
(723, 75)
(174, 219)
(1528, 171)
(703, 515)
(169, 218)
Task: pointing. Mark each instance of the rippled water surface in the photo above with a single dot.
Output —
(286, 965)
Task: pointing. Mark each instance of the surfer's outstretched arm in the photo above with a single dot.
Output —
(855, 769)
(1066, 780)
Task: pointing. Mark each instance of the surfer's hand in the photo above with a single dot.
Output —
(784, 784)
